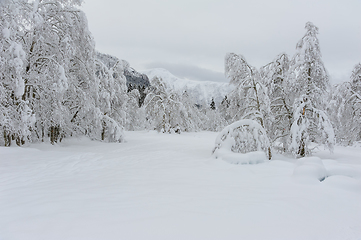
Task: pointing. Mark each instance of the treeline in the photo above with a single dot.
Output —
(292, 99)
(54, 85)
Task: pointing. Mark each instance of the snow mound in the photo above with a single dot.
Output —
(357, 144)
(241, 158)
(343, 182)
(329, 172)
(310, 170)
(200, 91)
(338, 169)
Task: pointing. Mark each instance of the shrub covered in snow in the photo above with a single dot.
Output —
(240, 138)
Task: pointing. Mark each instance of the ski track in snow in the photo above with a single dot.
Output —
(162, 186)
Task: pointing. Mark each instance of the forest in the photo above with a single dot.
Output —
(55, 85)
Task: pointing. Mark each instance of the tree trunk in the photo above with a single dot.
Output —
(7, 138)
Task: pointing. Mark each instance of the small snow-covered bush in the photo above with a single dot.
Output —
(242, 137)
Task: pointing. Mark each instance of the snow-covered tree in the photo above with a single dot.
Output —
(308, 74)
(223, 109)
(212, 119)
(309, 88)
(356, 79)
(58, 47)
(135, 115)
(249, 100)
(354, 102)
(275, 77)
(310, 125)
(49, 85)
(163, 109)
(111, 100)
(16, 118)
(243, 136)
(346, 109)
(193, 117)
(213, 104)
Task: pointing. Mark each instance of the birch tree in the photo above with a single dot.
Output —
(16, 118)
(164, 110)
(310, 88)
(275, 76)
(346, 109)
(249, 100)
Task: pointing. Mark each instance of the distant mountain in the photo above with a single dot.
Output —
(200, 91)
(134, 78)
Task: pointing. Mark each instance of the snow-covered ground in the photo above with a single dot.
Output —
(161, 186)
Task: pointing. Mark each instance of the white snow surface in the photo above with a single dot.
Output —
(168, 186)
(200, 91)
(6, 33)
(241, 158)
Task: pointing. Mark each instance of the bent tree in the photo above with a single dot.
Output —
(249, 99)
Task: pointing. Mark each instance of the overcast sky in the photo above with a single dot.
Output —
(191, 37)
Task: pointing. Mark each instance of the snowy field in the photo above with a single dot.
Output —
(161, 186)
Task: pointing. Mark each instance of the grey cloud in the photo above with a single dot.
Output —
(186, 33)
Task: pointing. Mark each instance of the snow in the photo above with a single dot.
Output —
(241, 158)
(310, 169)
(200, 91)
(6, 33)
(168, 186)
(17, 62)
(35, 6)
(62, 81)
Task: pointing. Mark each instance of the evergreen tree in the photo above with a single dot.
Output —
(213, 104)
(224, 111)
